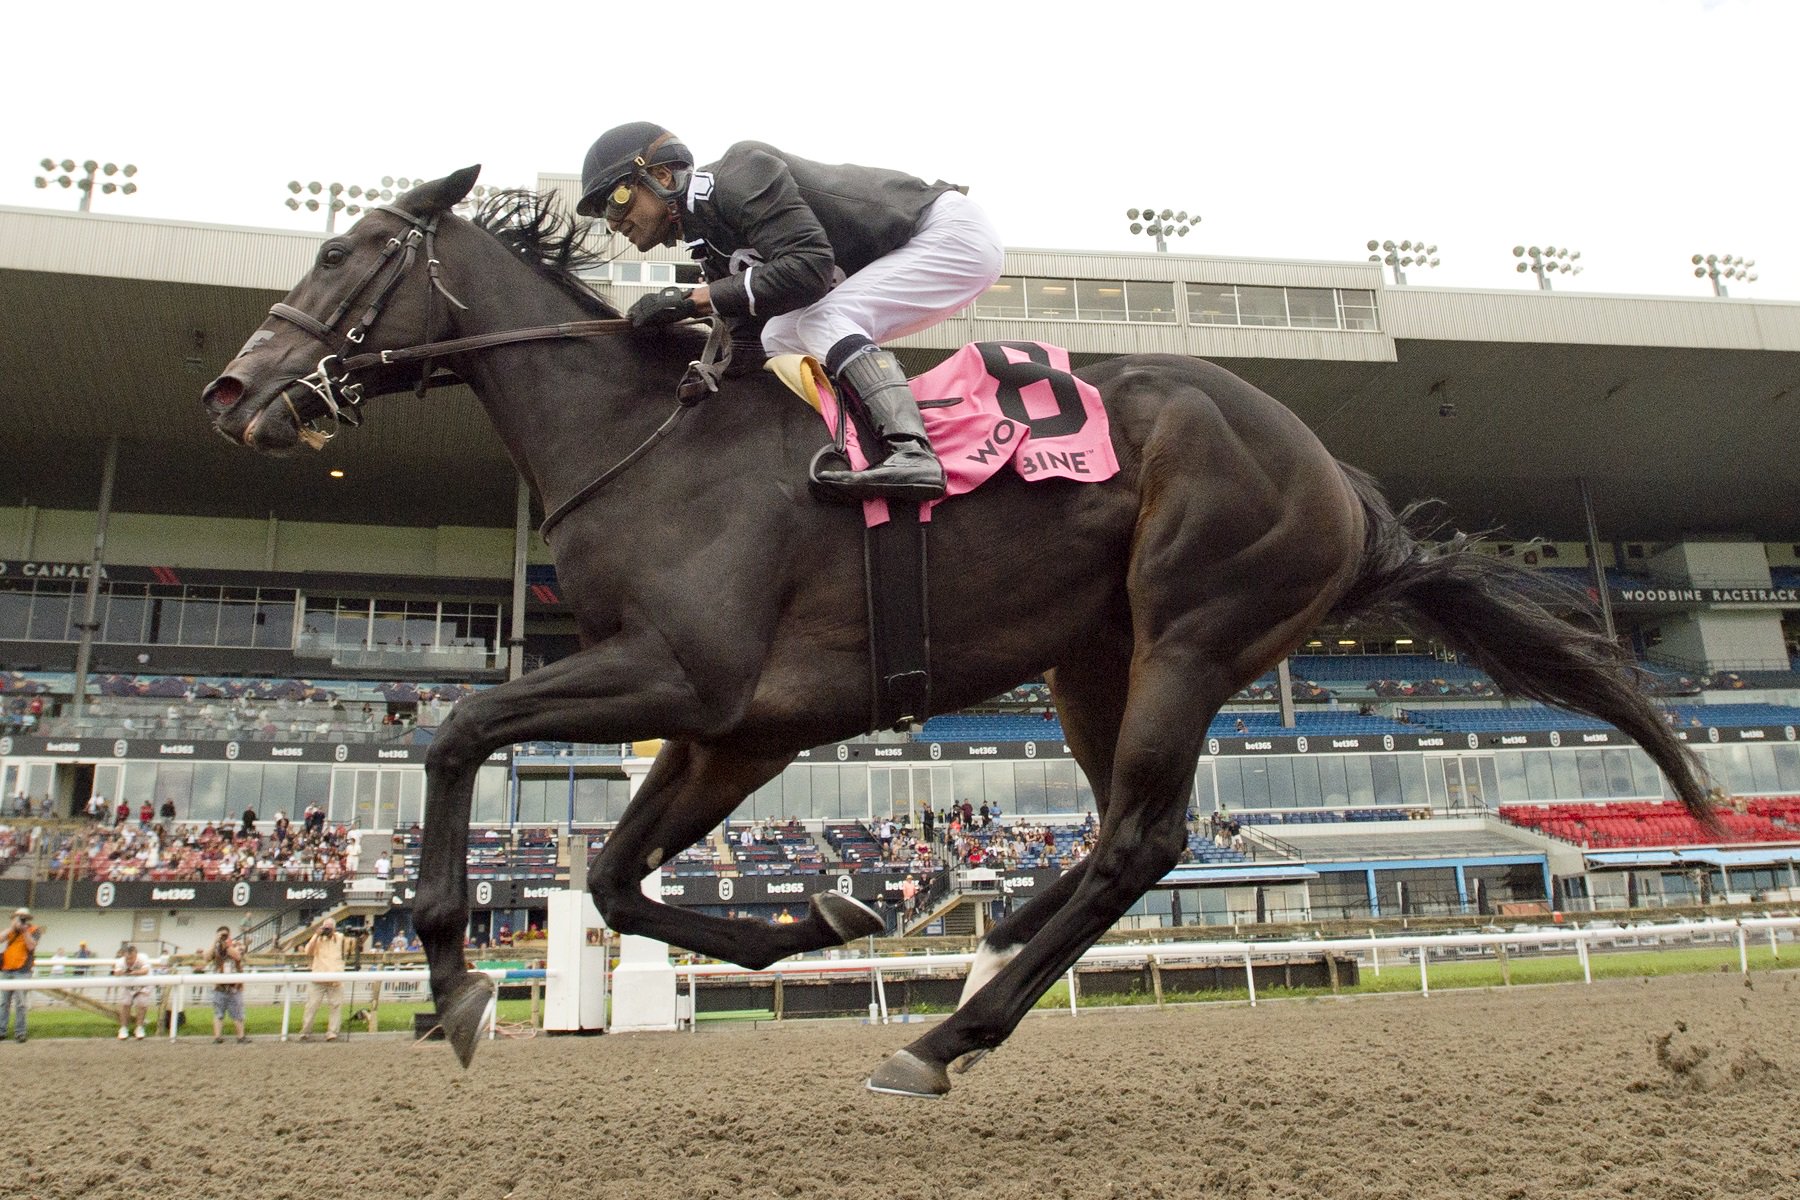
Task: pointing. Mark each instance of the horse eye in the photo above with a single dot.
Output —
(332, 256)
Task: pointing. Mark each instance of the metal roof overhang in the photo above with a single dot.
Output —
(1705, 857)
(1191, 876)
(1687, 437)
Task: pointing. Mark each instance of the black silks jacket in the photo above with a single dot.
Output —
(774, 232)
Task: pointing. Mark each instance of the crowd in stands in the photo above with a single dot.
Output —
(119, 849)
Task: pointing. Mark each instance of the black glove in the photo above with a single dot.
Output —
(662, 308)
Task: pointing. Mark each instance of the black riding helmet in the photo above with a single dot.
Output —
(622, 153)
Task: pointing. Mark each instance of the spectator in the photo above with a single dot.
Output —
(249, 822)
(146, 814)
(227, 957)
(383, 865)
(136, 1000)
(82, 952)
(121, 815)
(96, 808)
(324, 953)
(168, 809)
(17, 952)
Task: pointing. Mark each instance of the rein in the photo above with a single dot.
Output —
(342, 400)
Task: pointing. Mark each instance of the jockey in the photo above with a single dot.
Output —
(827, 260)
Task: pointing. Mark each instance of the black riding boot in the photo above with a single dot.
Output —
(910, 471)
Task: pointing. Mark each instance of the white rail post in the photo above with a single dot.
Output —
(1250, 976)
(881, 995)
(287, 1007)
(1073, 1011)
(1774, 946)
(1424, 982)
(1374, 953)
(1743, 949)
(1581, 952)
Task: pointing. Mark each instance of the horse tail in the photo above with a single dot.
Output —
(1503, 617)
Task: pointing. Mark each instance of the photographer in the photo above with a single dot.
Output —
(324, 953)
(17, 952)
(227, 958)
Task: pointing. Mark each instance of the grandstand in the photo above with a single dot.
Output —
(271, 638)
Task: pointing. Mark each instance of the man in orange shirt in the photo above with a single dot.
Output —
(17, 951)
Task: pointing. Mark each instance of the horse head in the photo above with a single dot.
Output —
(311, 365)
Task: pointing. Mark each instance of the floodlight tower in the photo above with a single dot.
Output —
(1406, 254)
(1719, 267)
(85, 183)
(362, 199)
(1160, 225)
(1546, 262)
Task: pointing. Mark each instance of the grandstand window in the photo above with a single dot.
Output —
(1787, 767)
(1206, 789)
(1307, 793)
(1230, 779)
(1539, 783)
(1004, 299)
(589, 800)
(200, 618)
(1312, 308)
(1262, 306)
(1059, 788)
(274, 620)
(243, 788)
(208, 797)
(50, 607)
(1384, 778)
(1591, 773)
(1618, 773)
(1358, 308)
(1212, 304)
(15, 608)
(1050, 299)
(536, 804)
(1028, 789)
(353, 617)
(237, 617)
(1412, 781)
(412, 798)
(387, 812)
(1509, 766)
(1360, 776)
(1565, 778)
(490, 796)
(278, 780)
(1100, 299)
(175, 781)
(1333, 780)
(122, 619)
(1150, 301)
(1280, 773)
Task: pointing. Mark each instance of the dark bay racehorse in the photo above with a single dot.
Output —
(721, 607)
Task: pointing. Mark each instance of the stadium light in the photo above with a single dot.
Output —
(1413, 253)
(85, 183)
(1720, 267)
(1548, 261)
(354, 200)
(1160, 225)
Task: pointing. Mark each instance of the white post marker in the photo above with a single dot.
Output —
(1581, 952)
(575, 960)
(1250, 976)
(643, 986)
(1424, 983)
(1743, 950)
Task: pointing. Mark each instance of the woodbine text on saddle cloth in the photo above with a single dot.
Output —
(997, 404)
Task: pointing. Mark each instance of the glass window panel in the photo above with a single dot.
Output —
(208, 803)
(387, 811)
(1787, 767)
(1084, 792)
(1028, 789)
(1736, 763)
(1509, 767)
(1540, 784)
(1565, 779)
(1617, 764)
(389, 627)
(174, 781)
(412, 797)
(1307, 793)
(106, 782)
(237, 624)
(278, 781)
(1150, 301)
(618, 798)
(997, 784)
(15, 608)
(1359, 309)
(1332, 780)
(1384, 779)
(1490, 783)
(853, 790)
(1206, 788)
(1361, 779)
(1005, 298)
(124, 614)
(1762, 768)
(484, 626)
(200, 617)
(1256, 782)
(1262, 306)
(490, 795)
(312, 786)
(1312, 308)
(796, 788)
(1100, 299)
(1412, 780)
(243, 789)
(352, 623)
(50, 612)
(274, 624)
(1592, 773)
(139, 786)
(1050, 299)
(1059, 788)
(1212, 304)
(1231, 784)
(590, 800)
(534, 800)
(1281, 783)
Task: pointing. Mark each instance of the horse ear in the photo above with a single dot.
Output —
(440, 194)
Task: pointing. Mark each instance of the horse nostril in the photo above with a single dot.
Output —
(222, 393)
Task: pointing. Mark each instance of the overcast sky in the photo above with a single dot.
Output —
(1638, 132)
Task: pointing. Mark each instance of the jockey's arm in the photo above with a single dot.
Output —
(757, 197)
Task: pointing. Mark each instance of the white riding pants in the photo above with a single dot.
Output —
(954, 257)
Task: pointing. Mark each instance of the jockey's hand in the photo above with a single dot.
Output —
(662, 308)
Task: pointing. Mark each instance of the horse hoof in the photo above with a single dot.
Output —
(849, 918)
(961, 1066)
(906, 1074)
(461, 1017)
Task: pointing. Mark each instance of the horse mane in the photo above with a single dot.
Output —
(555, 244)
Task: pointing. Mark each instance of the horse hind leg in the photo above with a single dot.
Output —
(690, 790)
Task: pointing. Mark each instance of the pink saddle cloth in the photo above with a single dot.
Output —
(995, 405)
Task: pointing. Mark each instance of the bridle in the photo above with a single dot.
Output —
(341, 399)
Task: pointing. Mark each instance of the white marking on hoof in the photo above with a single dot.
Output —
(987, 964)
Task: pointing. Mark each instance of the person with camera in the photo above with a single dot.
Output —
(17, 952)
(136, 1001)
(227, 958)
(324, 952)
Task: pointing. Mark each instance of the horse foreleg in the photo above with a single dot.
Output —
(615, 691)
(690, 790)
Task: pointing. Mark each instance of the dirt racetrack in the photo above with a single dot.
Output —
(1669, 1089)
